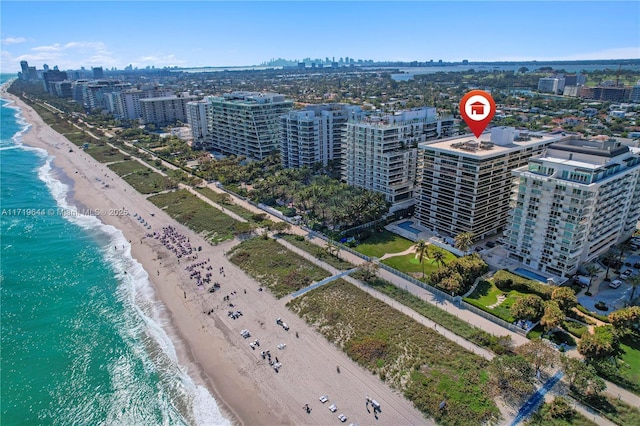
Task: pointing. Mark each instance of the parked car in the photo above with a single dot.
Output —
(625, 274)
(615, 283)
(491, 244)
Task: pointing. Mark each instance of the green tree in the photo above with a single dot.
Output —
(438, 257)
(601, 345)
(593, 271)
(528, 307)
(608, 259)
(565, 297)
(369, 270)
(634, 281)
(539, 353)
(512, 377)
(626, 321)
(581, 377)
(464, 241)
(553, 316)
(422, 253)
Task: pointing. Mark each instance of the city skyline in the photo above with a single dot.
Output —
(184, 34)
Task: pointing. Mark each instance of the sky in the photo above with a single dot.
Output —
(78, 34)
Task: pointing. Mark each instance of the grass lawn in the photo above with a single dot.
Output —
(142, 178)
(318, 252)
(189, 210)
(274, 266)
(410, 265)
(412, 358)
(486, 294)
(631, 347)
(615, 409)
(381, 243)
(627, 373)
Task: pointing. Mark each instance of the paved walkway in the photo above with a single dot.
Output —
(534, 400)
(411, 249)
(322, 282)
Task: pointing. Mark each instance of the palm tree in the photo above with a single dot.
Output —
(592, 270)
(422, 252)
(463, 241)
(634, 281)
(438, 257)
(609, 258)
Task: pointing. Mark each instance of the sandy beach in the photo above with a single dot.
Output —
(208, 341)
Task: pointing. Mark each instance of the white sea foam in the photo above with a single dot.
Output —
(139, 295)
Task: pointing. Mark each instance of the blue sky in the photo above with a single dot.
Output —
(215, 33)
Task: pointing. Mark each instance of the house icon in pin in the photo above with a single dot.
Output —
(477, 108)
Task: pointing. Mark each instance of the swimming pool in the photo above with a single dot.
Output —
(406, 225)
(529, 274)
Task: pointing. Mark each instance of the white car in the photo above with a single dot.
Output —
(615, 283)
(333, 408)
(625, 274)
(323, 398)
(342, 418)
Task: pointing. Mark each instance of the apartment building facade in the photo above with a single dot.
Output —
(314, 134)
(198, 122)
(380, 152)
(572, 204)
(464, 184)
(246, 123)
(165, 110)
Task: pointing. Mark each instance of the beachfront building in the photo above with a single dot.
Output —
(165, 110)
(572, 204)
(464, 183)
(380, 151)
(314, 135)
(125, 104)
(51, 77)
(553, 85)
(94, 93)
(197, 120)
(246, 123)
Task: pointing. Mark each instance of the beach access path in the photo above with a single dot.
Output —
(207, 341)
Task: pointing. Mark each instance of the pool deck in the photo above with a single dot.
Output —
(424, 234)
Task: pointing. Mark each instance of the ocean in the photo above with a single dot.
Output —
(82, 342)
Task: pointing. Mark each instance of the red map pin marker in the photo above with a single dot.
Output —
(477, 108)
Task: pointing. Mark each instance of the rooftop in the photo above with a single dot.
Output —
(483, 147)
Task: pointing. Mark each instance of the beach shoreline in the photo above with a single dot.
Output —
(207, 341)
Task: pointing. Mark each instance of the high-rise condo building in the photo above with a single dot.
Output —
(198, 122)
(165, 110)
(464, 183)
(314, 135)
(125, 104)
(572, 204)
(24, 66)
(246, 123)
(380, 152)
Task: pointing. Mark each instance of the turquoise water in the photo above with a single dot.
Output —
(530, 274)
(82, 342)
(407, 227)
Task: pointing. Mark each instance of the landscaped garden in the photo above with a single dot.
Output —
(282, 271)
(410, 264)
(383, 242)
(491, 299)
(402, 352)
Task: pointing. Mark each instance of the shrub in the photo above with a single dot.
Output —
(506, 281)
